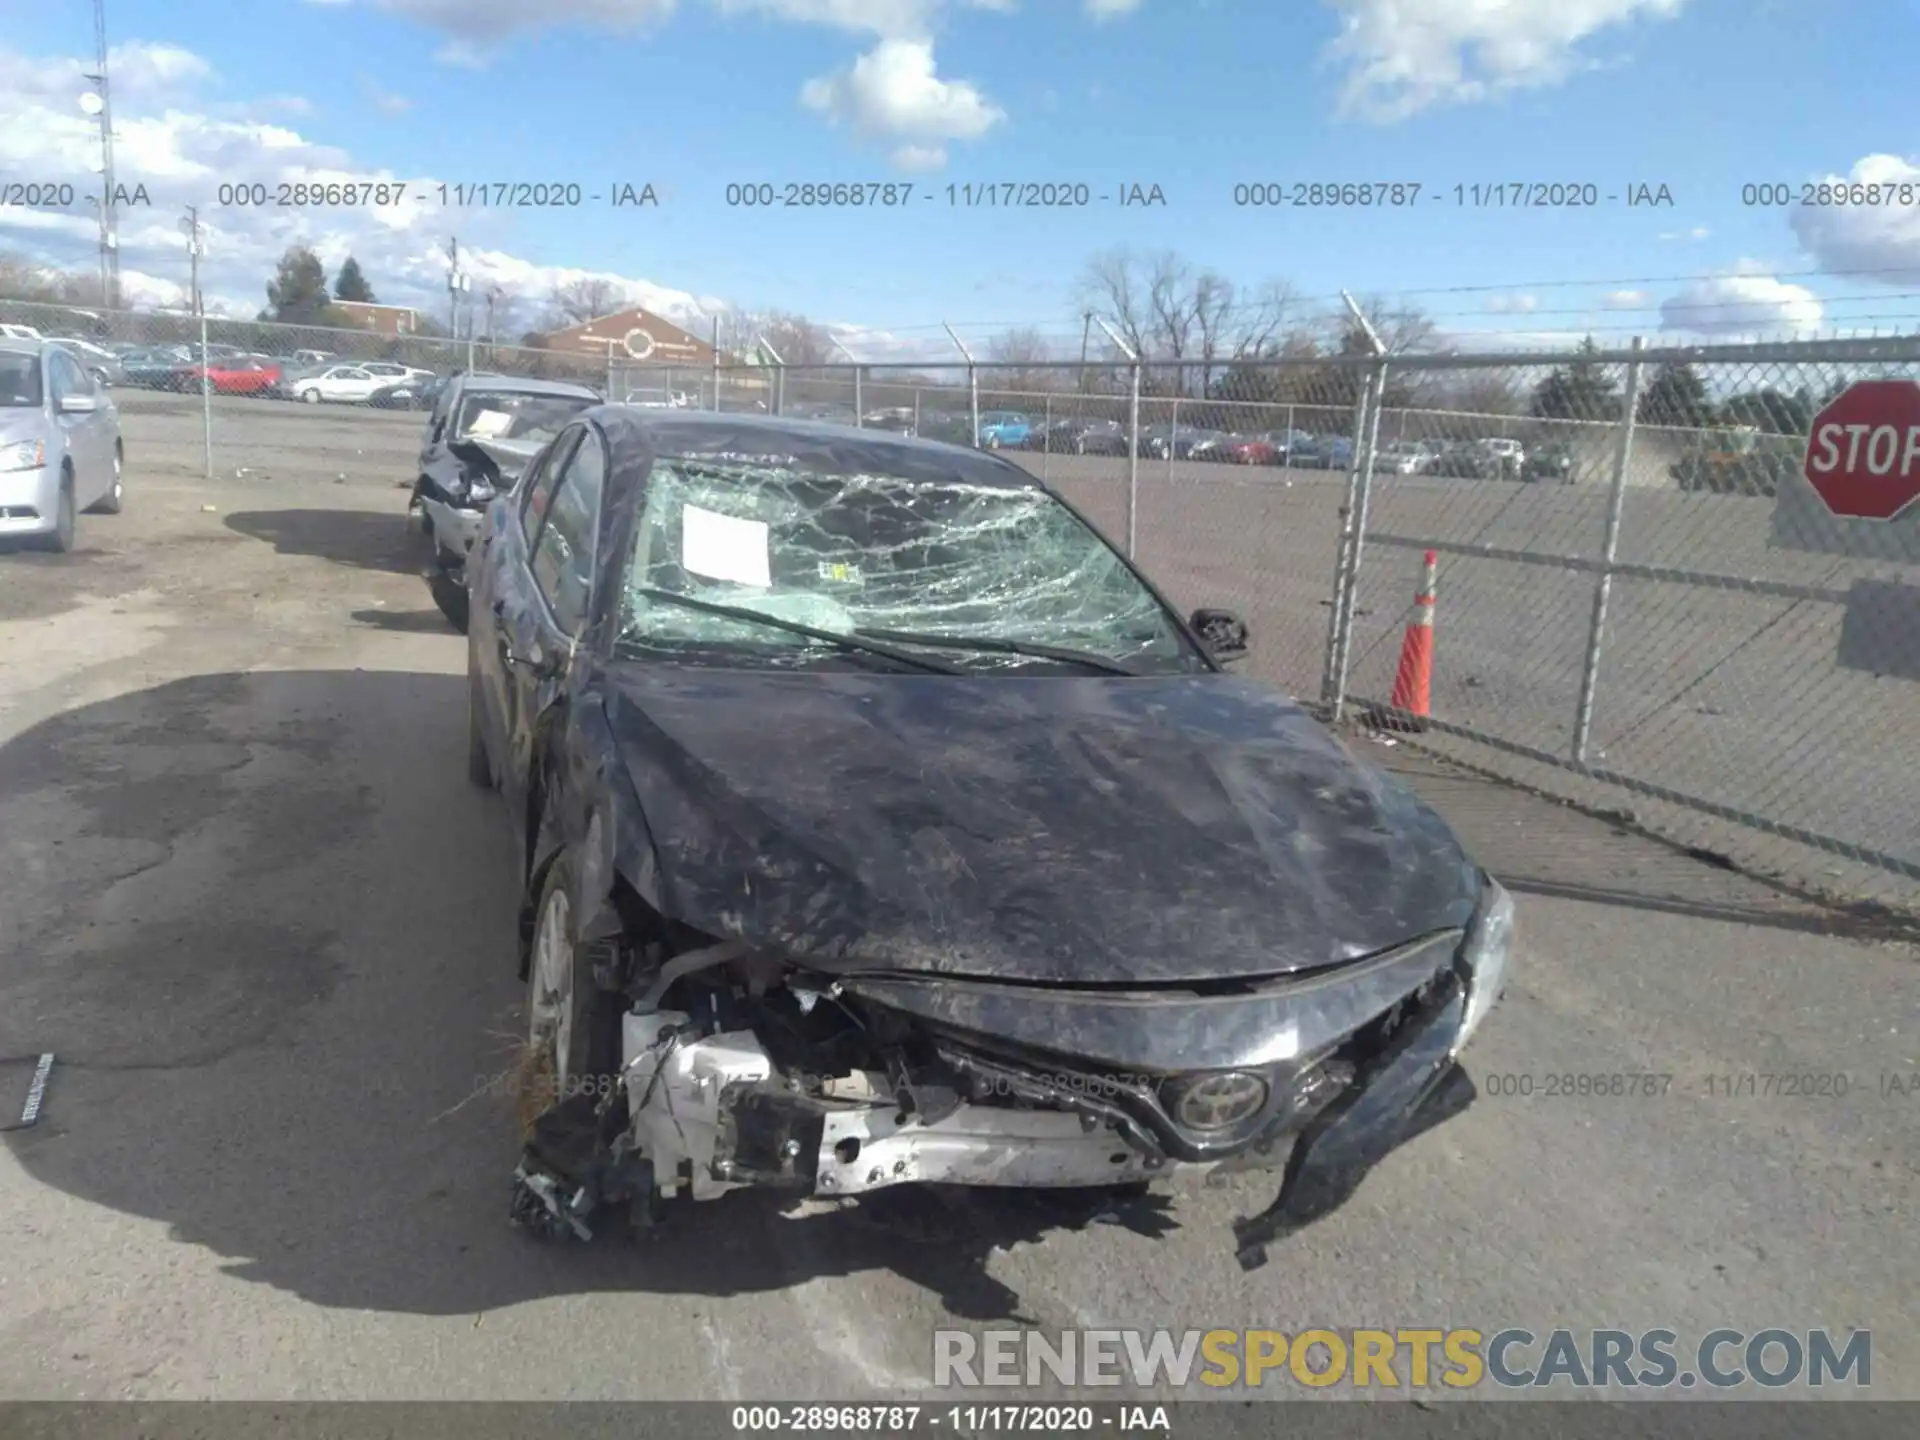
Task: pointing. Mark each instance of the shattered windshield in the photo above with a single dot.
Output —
(943, 560)
(504, 415)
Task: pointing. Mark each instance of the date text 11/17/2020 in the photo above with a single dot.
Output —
(1409, 194)
(967, 195)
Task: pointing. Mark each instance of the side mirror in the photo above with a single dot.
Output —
(78, 405)
(1222, 632)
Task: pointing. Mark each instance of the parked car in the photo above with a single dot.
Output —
(1403, 457)
(1004, 430)
(60, 445)
(1549, 464)
(1250, 450)
(392, 370)
(1287, 444)
(415, 394)
(1739, 460)
(159, 367)
(1209, 447)
(10, 331)
(313, 359)
(1512, 453)
(340, 384)
(813, 900)
(483, 430)
(1164, 442)
(231, 377)
(897, 419)
(98, 361)
(1324, 452)
(1468, 462)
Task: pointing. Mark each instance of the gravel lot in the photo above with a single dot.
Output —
(250, 901)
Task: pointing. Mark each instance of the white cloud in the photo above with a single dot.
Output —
(1514, 304)
(1884, 238)
(1626, 300)
(1404, 56)
(1110, 9)
(1745, 303)
(920, 157)
(184, 148)
(893, 91)
(1697, 233)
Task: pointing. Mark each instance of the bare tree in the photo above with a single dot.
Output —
(1167, 310)
(22, 279)
(799, 341)
(1029, 360)
(579, 301)
(738, 331)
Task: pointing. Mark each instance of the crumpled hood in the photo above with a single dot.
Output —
(1041, 828)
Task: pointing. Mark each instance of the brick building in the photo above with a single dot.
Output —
(634, 334)
(395, 320)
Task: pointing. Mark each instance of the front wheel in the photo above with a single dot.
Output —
(450, 595)
(312, 397)
(60, 539)
(573, 1026)
(115, 498)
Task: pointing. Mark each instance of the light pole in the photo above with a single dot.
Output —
(99, 103)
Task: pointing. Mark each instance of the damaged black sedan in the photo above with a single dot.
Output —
(879, 823)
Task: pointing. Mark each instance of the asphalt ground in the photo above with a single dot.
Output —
(251, 904)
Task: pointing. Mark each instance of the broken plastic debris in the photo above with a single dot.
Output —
(209, 509)
(37, 1091)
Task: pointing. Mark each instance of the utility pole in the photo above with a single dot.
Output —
(457, 285)
(99, 104)
(195, 249)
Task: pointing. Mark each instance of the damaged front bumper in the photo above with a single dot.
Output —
(1352, 1062)
(455, 530)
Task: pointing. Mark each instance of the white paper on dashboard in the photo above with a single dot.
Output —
(723, 547)
(490, 424)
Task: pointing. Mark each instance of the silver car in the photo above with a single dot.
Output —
(60, 449)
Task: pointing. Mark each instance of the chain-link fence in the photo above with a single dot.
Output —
(1641, 605)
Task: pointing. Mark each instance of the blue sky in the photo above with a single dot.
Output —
(1195, 97)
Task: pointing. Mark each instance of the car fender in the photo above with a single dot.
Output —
(590, 810)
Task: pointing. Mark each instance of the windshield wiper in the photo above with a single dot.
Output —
(999, 645)
(795, 627)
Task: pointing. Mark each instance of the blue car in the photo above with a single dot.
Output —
(1324, 452)
(1004, 430)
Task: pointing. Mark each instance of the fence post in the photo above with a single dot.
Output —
(206, 389)
(1173, 438)
(1046, 437)
(859, 401)
(1359, 493)
(1133, 462)
(716, 363)
(973, 387)
(1609, 550)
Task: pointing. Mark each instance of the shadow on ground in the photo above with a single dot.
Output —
(405, 622)
(276, 963)
(362, 539)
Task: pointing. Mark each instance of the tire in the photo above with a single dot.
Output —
(312, 397)
(451, 598)
(112, 502)
(572, 1026)
(61, 540)
(479, 763)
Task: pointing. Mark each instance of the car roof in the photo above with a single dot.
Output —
(524, 385)
(17, 346)
(838, 447)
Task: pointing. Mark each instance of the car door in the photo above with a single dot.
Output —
(80, 430)
(544, 633)
(353, 384)
(515, 633)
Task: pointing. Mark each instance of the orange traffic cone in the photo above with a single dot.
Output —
(1413, 683)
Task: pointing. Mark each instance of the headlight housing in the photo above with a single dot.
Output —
(25, 455)
(1485, 957)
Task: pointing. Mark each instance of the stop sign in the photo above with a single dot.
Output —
(1863, 456)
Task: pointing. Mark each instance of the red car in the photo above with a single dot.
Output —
(231, 377)
(1248, 450)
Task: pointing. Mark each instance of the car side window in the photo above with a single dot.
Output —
(539, 488)
(563, 553)
(61, 375)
